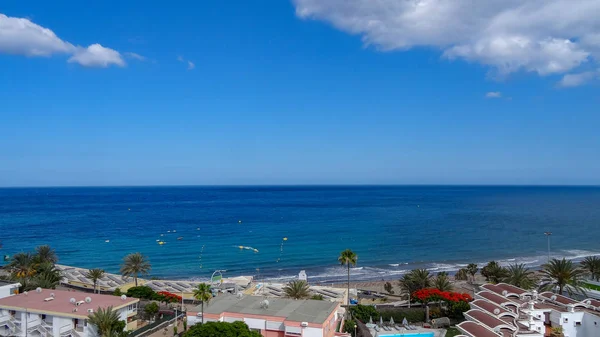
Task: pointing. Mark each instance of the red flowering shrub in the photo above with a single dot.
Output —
(435, 295)
(167, 297)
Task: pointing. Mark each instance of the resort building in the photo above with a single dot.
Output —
(8, 289)
(59, 313)
(273, 317)
(503, 310)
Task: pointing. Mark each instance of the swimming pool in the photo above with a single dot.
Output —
(422, 334)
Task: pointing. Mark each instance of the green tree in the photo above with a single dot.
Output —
(117, 292)
(519, 276)
(591, 265)
(442, 282)
(472, 269)
(297, 290)
(175, 330)
(151, 309)
(493, 272)
(45, 254)
(95, 275)
(564, 274)
(348, 258)
(388, 287)
(22, 265)
(221, 329)
(203, 294)
(317, 297)
(143, 292)
(106, 321)
(462, 275)
(135, 264)
(184, 324)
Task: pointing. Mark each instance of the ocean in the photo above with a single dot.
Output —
(392, 229)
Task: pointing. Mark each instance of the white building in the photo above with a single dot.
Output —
(506, 310)
(8, 289)
(59, 313)
(273, 317)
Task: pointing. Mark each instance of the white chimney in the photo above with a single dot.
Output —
(531, 306)
(571, 308)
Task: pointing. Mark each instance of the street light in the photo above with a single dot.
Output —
(548, 234)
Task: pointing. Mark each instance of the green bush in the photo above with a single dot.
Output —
(349, 326)
(363, 312)
(455, 310)
(143, 292)
(412, 315)
(221, 329)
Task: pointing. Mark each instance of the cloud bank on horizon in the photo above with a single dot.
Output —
(20, 36)
(547, 37)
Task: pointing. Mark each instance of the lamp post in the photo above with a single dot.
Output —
(548, 234)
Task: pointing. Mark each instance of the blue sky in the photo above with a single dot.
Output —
(298, 92)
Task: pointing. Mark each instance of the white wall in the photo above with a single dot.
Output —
(5, 291)
(312, 332)
(588, 328)
(254, 323)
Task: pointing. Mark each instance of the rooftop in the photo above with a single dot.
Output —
(487, 319)
(491, 307)
(39, 302)
(476, 330)
(311, 311)
(6, 283)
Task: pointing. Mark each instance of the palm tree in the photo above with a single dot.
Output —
(493, 272)
(557, 332)
(134, 265)
(472, 269)
(203, 294)
(421, 278)
(562, 274)
(105, 321)
(462, 275)
(442, 282)
(519, 276)
(22, 265)
(348, 258)
(414, 280)
(591, 265)
(296, 289)
(95, 275)
(45, 254)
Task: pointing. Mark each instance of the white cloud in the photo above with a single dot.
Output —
(135, 56)
(575, 80)
(97, 56)
(190, 64)
(20, 36)
(493, 94)
(541, 36)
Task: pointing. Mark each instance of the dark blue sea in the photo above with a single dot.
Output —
(392, 229)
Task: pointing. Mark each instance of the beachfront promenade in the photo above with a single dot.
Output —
(75, 277)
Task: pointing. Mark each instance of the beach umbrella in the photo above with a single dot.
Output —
(380, 320)
(370, 319)
(391, 320)
(404, 321)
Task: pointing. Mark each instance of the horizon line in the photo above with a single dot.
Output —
(301, 185)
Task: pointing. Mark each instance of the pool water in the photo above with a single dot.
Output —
(422, 334)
